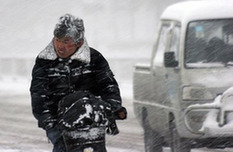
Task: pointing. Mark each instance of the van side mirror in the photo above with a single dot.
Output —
(170, 60)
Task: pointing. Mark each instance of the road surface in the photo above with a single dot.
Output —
(19, 132)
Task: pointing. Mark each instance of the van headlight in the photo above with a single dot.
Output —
(196, 93)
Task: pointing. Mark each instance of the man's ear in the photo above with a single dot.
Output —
(80, 43)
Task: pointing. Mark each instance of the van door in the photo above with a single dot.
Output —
(173, 73)
(158, 76)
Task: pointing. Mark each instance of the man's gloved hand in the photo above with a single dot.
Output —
(120, 113)
(54, 135)
(48, 122)
(49, 125)
(112, 129)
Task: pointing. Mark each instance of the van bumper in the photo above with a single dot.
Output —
(218, 121)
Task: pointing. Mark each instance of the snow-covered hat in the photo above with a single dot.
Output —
(71, 26)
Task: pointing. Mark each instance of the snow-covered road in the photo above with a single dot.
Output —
(19, 132)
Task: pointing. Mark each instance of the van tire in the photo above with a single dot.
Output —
(177, 144)
(152, 140)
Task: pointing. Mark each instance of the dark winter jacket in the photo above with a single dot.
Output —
(53, 78)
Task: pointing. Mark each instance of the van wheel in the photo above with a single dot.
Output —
(177, 143)
(152, 140)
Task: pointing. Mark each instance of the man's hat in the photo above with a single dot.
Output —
(71, 26)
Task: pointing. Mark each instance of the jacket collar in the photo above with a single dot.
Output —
(82, 54)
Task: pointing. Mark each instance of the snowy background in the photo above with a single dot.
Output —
(120, 31)
(123, 31)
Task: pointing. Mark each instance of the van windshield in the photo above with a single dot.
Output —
(209, 43)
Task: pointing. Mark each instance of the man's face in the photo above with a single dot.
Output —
(64, 46)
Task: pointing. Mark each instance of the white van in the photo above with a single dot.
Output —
(178, 96)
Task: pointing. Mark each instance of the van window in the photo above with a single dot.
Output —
(209, 43)
(162, 44)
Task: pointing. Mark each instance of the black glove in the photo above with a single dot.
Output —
(50, 123)
(47, 121)
(53, 134)
(112, 129)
